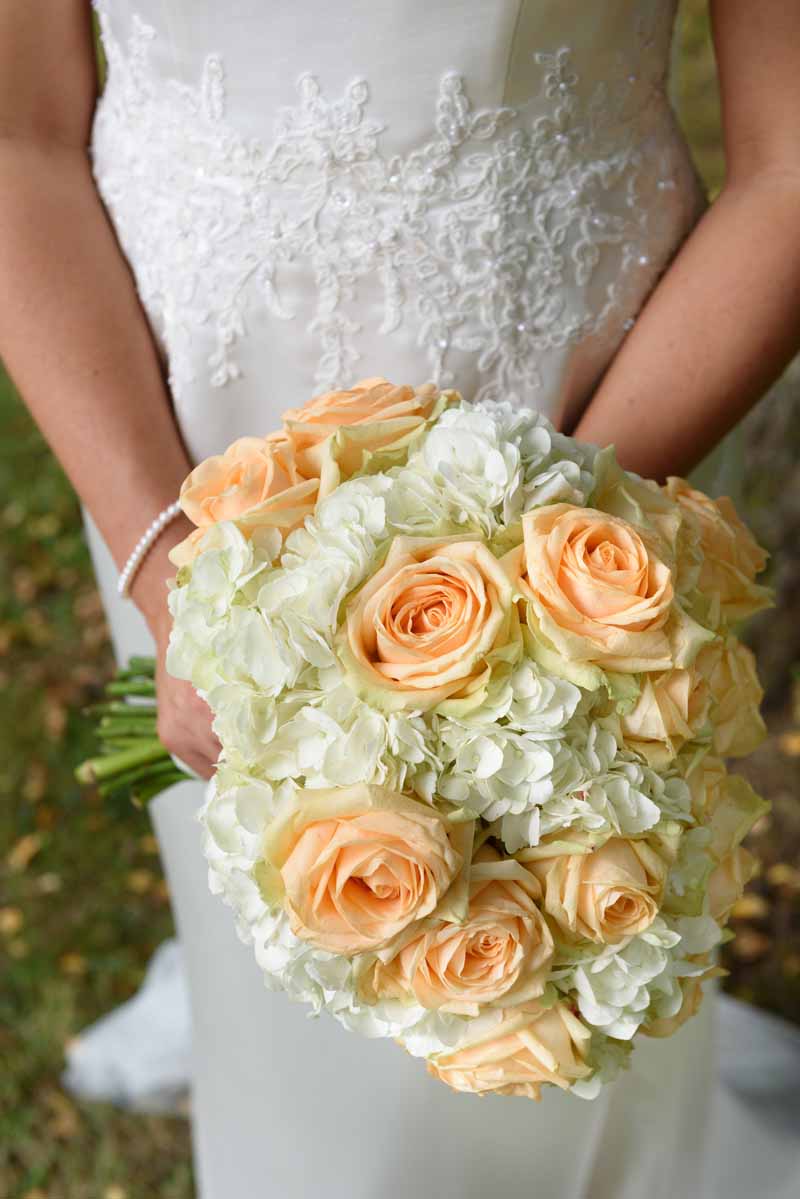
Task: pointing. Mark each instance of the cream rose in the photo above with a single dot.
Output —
(423, 628)
(595, 590)
(672, 708)
(354, 866)
(606, 894)
(501, 955)
(529, 1047)
(728, 881)
(730, 671)
(730, 555)
(256, 482)
(336, 434)
(724, 803)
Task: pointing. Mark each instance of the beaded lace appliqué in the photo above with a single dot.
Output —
(508, 235)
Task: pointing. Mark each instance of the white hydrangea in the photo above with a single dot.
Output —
(599, 788)
(618, 988)
(527, 700)
(481, 466)
(476, 469)
(609, 1058)
(328, 737)
(205, 599)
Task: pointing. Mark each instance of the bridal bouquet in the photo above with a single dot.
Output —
(474, 685)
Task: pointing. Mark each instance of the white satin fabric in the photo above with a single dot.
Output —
(481, 192)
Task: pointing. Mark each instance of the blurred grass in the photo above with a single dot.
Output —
(82, 899)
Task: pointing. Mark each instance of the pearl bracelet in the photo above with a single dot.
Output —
(144, 544)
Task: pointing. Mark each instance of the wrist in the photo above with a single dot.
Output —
(149, 589)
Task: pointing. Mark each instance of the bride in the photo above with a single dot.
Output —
(274, 198)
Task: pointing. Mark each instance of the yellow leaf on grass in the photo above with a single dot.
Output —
(20, 855)
(789, 743)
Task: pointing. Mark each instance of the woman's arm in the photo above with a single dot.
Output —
(724, 320)
(72, 332)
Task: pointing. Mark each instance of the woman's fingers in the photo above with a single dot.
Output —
(184, 724)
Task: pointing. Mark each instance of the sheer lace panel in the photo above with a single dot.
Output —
(510, 233)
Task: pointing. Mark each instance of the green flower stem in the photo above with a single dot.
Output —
(98, 769)
(142, 666)
(146, 791)
(120, 708)
(131, 758)
(109, 729)
(147, 773)
(132, 687)
(113, 744)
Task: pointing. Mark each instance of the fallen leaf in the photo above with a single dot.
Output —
(72, 964)
(11, 921)
(35, 786)
(784, 875)
(140, 881)
(748, 945)
(751, 906)
(20, 855)
(63, 1123)
(791, 965)
(789, 743)
(48, 883)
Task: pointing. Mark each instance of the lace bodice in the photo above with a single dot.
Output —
(476, 193)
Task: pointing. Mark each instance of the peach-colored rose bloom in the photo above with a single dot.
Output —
(256, 482)
(501, 955)
(729, 668)
(529, 1047)
(672, 708)
(730, 555)
(724, 803)
(692, 998)
(334, 434)
(728, 881)
(422, 628)
(278, 480)
(606, 894)
(354, 866)
(595, 590)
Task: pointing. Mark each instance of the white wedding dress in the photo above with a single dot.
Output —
(480, 192)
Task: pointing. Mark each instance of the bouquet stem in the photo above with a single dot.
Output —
(132, 761)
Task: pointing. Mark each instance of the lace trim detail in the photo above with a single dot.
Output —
(510, 234)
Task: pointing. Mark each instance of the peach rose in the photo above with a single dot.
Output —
(501, 954)
(606, 894)
(727, 882)
(730, 555)
(529, 1047)
(672, 708)
(730, 671)
(724, 803)
(692, 998)
(336, 434)
(423, 629)
(256, 482)
(354, 866)
(594, 589)
(640, 502)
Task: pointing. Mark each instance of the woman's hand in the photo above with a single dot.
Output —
(184, 719)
